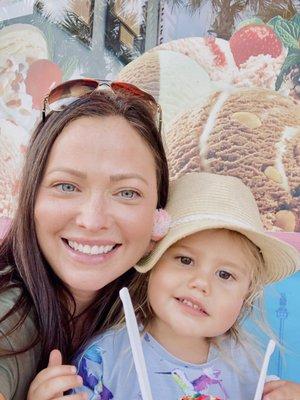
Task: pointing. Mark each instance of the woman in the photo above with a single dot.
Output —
(94, 174)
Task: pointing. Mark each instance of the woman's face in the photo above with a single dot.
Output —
(94, 208)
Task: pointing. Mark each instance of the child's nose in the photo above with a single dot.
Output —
(200, 282)
(94, 214)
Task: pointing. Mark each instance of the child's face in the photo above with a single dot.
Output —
(198, 287)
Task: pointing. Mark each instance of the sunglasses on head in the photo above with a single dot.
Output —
(65, 93)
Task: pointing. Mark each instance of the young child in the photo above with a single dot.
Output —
(203, 278)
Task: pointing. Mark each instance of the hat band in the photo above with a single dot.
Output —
(213, 217)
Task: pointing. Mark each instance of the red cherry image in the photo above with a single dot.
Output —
(254, 40)
(42, 75)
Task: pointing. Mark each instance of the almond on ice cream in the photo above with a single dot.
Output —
(253, 134)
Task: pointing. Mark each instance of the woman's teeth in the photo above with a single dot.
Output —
(92, 250)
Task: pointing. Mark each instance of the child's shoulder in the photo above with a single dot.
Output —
(111, 337)
(109, 342)
(245, 352)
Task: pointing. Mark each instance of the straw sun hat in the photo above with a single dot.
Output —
(200, 201)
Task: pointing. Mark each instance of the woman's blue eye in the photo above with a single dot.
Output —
(128, 194)
(66, 187)
(224, 275)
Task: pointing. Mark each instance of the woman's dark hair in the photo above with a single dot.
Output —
(41, 290)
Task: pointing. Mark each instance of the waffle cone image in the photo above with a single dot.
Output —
(253, 134)
(176, 81)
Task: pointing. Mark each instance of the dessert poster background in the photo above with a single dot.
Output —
(230, 96)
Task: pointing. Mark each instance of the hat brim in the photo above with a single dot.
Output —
(281, 259)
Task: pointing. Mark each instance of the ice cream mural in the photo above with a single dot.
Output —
(233, 107)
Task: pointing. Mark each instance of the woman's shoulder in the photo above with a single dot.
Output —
(16, 333)
(8, 298)
(22, 325)
(246, 353)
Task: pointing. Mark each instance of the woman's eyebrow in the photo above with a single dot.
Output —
(113, 178)
(121, 177)
(70, 171)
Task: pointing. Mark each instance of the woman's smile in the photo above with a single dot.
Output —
(82, 252)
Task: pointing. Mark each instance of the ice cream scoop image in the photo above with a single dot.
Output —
(212, 54)
(175, 80)
(253, 134)
(20, 40)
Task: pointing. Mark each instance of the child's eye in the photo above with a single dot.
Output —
(129, 194)
(185, 260)
(225, 275)
(66, 187)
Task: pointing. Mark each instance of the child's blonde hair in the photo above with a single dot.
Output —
(257, 278)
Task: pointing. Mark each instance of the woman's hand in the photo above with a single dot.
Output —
(281, 390)
(52, 381)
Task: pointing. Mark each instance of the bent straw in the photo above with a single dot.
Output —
(136, 345)
(264, 369)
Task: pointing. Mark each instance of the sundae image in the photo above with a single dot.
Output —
(253, 134)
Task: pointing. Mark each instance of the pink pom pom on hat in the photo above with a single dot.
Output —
(161, 225)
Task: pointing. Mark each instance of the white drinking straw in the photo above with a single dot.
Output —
(136, 345)
(264, 370)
